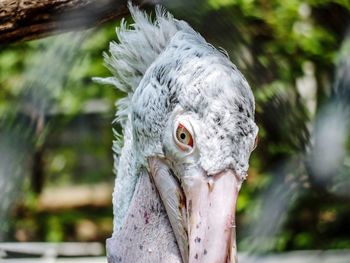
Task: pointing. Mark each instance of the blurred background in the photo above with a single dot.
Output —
(56, 163)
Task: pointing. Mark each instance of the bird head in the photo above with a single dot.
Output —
(193, 124)
(188, 120)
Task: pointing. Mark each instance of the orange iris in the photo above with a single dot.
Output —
(184, 136)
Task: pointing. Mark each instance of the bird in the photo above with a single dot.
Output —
(188, 131)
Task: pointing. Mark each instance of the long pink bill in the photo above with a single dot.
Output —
(201, 211)
(211, 203)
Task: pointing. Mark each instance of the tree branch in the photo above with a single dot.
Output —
(31, 19)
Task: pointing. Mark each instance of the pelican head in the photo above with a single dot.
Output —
(188, 121)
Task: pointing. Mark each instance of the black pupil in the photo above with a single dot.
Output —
(182, 136)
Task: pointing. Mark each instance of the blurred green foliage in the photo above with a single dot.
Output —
(274, 43)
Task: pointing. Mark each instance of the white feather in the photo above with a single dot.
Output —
(138, 46)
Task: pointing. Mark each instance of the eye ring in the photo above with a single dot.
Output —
(183, 137)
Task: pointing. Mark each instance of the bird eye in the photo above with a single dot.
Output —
(183, 137)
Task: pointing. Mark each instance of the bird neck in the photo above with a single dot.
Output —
(146, 235)
(142, 231)
(125, 167)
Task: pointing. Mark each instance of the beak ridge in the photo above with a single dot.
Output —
(174, 202)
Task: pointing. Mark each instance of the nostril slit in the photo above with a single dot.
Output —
(210, 184)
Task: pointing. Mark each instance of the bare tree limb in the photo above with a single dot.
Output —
(31, 19)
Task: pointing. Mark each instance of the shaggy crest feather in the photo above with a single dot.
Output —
(128, 60)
